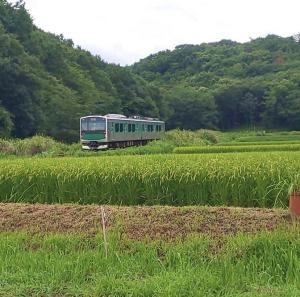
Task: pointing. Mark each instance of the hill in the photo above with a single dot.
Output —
(229, 85)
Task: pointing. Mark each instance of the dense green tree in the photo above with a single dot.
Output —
(283, 106)
(240, 105)
(6, 123)
(192, 109)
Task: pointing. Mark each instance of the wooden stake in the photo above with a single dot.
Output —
(103, 218)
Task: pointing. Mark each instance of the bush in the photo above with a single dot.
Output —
(187, 138)
(34, 145)
(30, 146)
(208, 135)
(7, 147)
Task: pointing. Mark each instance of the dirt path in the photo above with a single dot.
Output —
(139, 222)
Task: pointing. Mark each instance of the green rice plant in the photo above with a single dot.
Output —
(236, 149)
(236, 143)
(271, 137)
(247, 179)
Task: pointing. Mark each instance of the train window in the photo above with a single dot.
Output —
(121, 127)
(129, 127)
(143, 128)
(150, 128)
(117, 127)
(133, 127)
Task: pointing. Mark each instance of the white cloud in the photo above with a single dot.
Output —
(126, 31)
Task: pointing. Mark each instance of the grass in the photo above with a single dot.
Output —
(258, 136)
(237, 143)
(247, 180)
(75, 265)
(236, 149)
(272, 137)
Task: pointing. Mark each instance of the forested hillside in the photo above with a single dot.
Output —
(229, 85)
(46, 83)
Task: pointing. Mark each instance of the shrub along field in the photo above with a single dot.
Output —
(247, 179)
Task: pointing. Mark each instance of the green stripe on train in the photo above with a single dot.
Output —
(93, 136)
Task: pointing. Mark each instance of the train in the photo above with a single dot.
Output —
(118, 131)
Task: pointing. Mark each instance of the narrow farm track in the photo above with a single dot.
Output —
(139, 222)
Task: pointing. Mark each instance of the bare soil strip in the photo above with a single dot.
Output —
(139, 222)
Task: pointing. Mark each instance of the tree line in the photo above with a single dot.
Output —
(229, 85)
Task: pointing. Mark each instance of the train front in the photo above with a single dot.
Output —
(93, 132)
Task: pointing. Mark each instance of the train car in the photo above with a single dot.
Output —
(115, 130)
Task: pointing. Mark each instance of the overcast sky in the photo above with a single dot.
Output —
(124, 31)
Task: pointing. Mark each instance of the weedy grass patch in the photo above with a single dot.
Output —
(76, 265)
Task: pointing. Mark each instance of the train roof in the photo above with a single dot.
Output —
(124, 118)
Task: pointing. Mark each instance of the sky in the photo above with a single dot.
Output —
(123, 32)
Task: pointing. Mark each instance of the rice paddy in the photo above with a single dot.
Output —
(248, 179)
(237, 148)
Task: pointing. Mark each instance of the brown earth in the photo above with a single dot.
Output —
(139, 222)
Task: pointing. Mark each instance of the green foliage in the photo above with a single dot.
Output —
(30, 146)
(191, 109)
(6, 123)
(185, 138)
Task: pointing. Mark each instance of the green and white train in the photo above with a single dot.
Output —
(114, 130)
